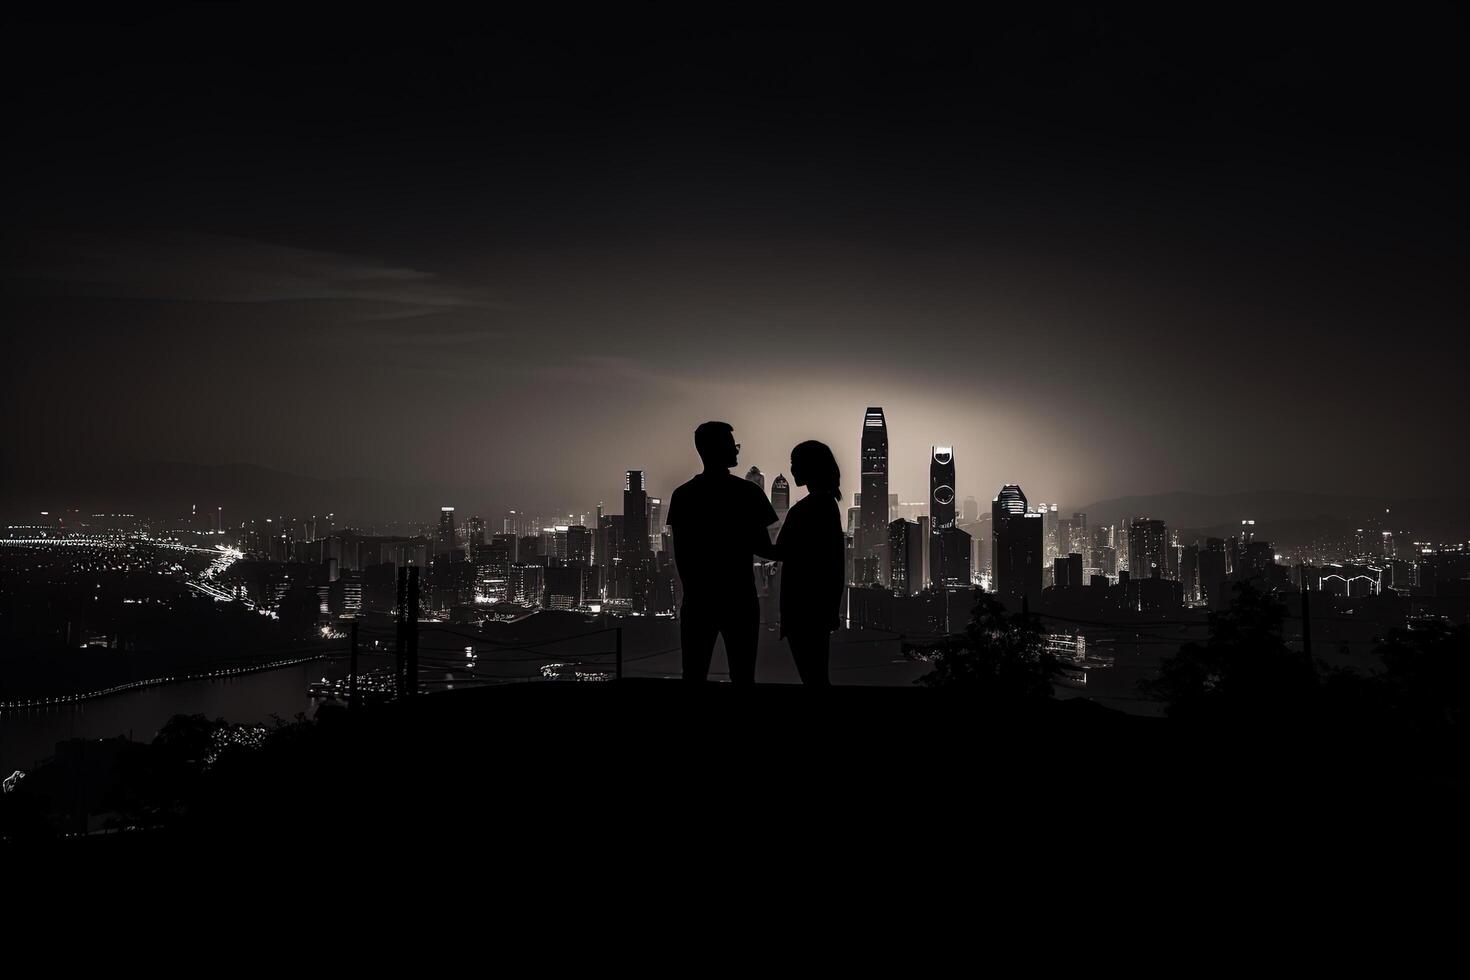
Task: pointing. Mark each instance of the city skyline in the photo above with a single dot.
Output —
(421, 429)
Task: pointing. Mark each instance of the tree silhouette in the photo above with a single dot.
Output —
(1244, 668)
(1426, 676)
(999, 656)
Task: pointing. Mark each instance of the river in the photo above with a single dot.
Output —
(30, 735)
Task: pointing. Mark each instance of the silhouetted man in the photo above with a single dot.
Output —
(719, 523)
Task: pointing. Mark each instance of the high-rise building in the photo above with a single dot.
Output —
(635, 513)
(754, 475)
(1212, 573)
(1081, 541)
(873, 528)
(941, 488)
(926, 565)
(492, 568)
(1016, 556)
(476, 538)
(971, 511)
(781, 496)
(941, 503)
(527, 584)
(655, 522)
(1067, 571)
(1148, 545)
(906, 557)
(1048, 514)
(1189, 572)
(578, 545)
(1257, 559)
(952, 564)
(564, 587)
(637, 548)
(445, 540)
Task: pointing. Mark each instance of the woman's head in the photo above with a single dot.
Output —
(813, 466)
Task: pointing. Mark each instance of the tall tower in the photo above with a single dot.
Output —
(655, 522)
(1147, 549)
(445, 540)
(635, 514)
(637, 556)
(873, 527)
(781, 496)
(941, 488)
(1016, 557)
(941, 505)
(906, 551)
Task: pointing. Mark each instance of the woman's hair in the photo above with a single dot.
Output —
(819, 467)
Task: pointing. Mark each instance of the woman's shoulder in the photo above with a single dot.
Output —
(814, 505)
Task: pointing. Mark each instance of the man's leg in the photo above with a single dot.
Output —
(817, 650)
(697, 629)
(742, 633)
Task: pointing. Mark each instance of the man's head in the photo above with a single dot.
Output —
(715, 442)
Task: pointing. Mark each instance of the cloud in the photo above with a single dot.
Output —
(197, 268)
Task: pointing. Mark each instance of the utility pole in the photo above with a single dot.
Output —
(400, 639)
(412, 629)
(1306, 614)
(352, 671)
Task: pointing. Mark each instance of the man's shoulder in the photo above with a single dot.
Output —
(686, 494)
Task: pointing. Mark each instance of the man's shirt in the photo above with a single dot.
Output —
(717, 520)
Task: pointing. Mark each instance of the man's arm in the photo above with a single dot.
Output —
(762, 545)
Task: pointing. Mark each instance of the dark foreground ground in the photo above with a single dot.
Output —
(630, 815)
(557, 768)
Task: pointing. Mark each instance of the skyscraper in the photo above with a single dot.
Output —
(1068, 571)
(952, 548)
(754, 475)
(579, 545)
(781, 496)
(971, 511)
(655, 522)
(927, 564)
(445, 539)
(635, 513)
(941, 488)
(941, 505)
(906, 556)
(1189, 572)
(873, 528)
(1212, 573)
(637, 554)
(1147, 546)
(1017, 555)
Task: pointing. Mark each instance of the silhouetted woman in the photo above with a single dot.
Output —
(811, 549)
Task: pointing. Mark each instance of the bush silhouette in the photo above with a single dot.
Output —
(1245, 668)
(999, 656)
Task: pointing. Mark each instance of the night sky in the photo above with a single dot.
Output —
(1099, 255)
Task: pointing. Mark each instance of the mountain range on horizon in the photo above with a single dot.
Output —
(158, 489)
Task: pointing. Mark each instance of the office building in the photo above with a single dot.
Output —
(781, 496)
(873, 529)
(1017, 551)
(1147, 549)
(906, 557)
